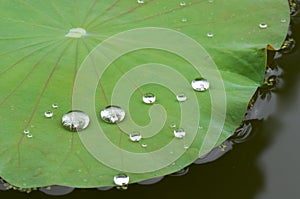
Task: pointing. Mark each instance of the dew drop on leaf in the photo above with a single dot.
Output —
(112, 114)
(48, 114)
(200, 84)
(121, 180)
(135, 136)
(181, 97)
(75, 120)
(263, 25)
(149, 98)
(179, 133)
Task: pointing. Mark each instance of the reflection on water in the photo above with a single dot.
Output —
(265, 166)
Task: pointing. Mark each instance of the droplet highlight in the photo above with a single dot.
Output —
(200, 84)
(121, 180)
(75, 120)
(48, 114)
(135, 136)
(263, 25)
(76, 33)
(179, 133)
(112, 114)
(149, 98)
(181, 98)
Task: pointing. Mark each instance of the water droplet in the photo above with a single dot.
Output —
(48, 114)
(172, 125)
(85, 180)
(185, 147)
(184, 20)
(140, 1)
(76, 33)
(29, 135)
(112, 114)
(283, 20)
(210, 1)
(55, 105)
(144, 145)
(75, 120)
(179, 133)
(135, 136)
(121, 180)
(149, 98)
(263, 25)
(200, 84)
(182, 4)
(26, 131)
(210, 34)
(181, 97)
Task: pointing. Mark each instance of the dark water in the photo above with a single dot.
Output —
(266, 166)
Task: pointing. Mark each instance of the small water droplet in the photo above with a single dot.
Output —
(200, 84)
(182, 4)
(48, 114)
(210, 34)
(172, 125)
(79, 170)
(55, 105)
(112, 114)
(210, 1)
(85, 180)
(75, 120)
(26, 131)
(149, 98)
(181, 97)
(121, 180)
(283, 20)
(144, 145)
(135, 136)
(29, 135)
(179, 133)
(140, 1)
(185, 147)
(263, 25)
(184, 20)
(76, 33)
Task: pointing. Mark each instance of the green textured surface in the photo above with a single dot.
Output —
(39, 64)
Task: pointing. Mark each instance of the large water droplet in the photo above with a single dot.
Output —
(179, 133)
(181, 97)
(76, 33)
(140, 1)
(121, 180)
(149, 98)
(75, 120)
(29, 135)
(48, 114)
(26, 131)
(135, 136)
(112, 114)
(263, 25)
(200, 84)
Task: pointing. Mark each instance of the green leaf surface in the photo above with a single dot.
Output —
(40, 66)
